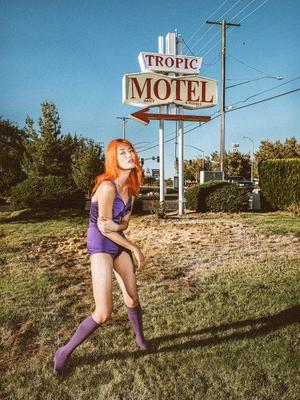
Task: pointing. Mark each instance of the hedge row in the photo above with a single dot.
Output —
(280, 183)
(217, 196)
(46, 192)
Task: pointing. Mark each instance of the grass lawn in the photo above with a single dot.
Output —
(225, 332)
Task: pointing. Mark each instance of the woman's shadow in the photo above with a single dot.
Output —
(256, 327)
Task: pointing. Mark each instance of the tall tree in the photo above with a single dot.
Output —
(49, 152)
(12, 150)
(87, 163)
(49, 157)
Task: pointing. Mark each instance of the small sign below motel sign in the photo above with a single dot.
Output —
(152, 89)
(154, 62)
(155, 173)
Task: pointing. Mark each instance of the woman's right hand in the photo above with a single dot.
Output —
(139, 256)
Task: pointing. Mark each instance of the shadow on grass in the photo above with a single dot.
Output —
(33, 216)
(268, 324)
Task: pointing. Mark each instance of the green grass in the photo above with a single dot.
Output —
(278, 222)
(275, 222)
(232, 334)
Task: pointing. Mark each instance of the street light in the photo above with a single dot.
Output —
(279, 78)
(252, 157)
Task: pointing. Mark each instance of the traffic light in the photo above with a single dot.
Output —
(157, 158)
(142, 162)
(191, 162)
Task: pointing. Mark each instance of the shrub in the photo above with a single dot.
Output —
(46, 192)
(218, 196)
(280, 183)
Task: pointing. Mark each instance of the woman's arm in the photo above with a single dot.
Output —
(107, 194)
(110, 226)
(125, 220)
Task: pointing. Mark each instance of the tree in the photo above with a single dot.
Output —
(149, 180)
(12, 150)
(87, 163)
(45, 149)
(277, 150)
(193, 167)
(235, 163)
(49, 152)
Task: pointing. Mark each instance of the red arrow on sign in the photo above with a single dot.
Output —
(144, 117)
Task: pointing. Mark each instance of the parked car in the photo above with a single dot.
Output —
(240, 180)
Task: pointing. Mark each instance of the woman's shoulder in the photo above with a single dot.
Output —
(105, 187)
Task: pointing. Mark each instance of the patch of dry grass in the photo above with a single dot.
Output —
(220, 299)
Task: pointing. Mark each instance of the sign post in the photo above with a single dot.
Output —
(180, 149)
(161, 138)
(170, 79)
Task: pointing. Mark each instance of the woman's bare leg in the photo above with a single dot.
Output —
(101, 267)
(124, 272)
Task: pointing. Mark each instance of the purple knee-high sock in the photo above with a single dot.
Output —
(136, 320)
(85, 329)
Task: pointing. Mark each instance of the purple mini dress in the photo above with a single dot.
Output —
(96, 241)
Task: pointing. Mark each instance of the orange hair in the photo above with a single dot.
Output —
(112, 170)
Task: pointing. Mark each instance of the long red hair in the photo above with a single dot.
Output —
(112, 170)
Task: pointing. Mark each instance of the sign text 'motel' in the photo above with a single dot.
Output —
(153, 62)
(150, 89)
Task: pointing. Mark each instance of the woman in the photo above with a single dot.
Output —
(109, 249)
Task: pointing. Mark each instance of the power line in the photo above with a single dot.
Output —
(195, 33)
(257, 8)
(248, 5)
(217, 116)
(247, 65)
(230, 30)
(188, 47)
(189, 130)
(248, 15)
(265, 91)
(234, 5)
(230, 18)
(262, 101)
(213, 62)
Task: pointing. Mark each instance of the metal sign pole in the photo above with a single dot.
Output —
(179, 46)
(161, 138)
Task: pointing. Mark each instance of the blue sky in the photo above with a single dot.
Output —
(74, 53)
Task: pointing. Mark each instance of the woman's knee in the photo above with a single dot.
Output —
(132, 301)
(101, 316)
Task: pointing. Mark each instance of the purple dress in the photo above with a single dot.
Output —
(96, 241)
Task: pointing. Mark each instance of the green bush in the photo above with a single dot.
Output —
(46, 192)
(217, 196)
(280, 183)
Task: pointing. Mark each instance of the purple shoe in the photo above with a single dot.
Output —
(60, 358)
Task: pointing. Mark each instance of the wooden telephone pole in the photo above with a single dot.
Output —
(222, 133)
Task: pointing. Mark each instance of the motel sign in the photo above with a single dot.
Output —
(154, 62)
(151, 89)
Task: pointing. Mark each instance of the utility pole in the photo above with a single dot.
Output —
(124, 119)
(222, 133)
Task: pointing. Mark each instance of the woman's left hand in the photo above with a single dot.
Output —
(106, 225)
